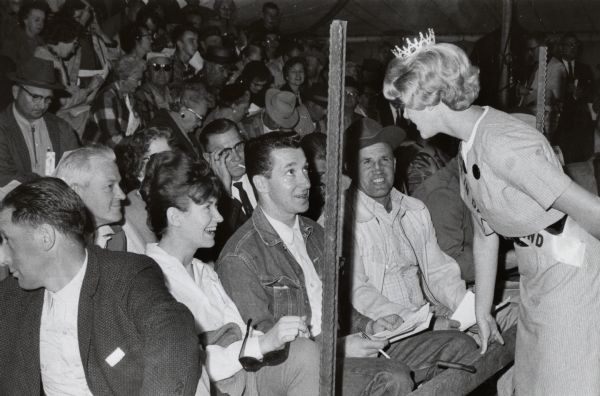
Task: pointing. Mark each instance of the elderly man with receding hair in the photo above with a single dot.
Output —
(80, 320)
(113, 115)
(92, 173)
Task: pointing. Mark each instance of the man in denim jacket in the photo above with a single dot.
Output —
(271, 268)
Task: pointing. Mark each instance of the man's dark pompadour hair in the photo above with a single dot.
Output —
(258, 151)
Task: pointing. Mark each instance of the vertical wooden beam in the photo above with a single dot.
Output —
(504, 81)
(540, 116)
(333, 220)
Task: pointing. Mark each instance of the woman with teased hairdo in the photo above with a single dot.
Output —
(515, 187)
(181, 198)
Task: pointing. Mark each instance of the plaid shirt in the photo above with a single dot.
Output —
(148, 103)
(110, 116)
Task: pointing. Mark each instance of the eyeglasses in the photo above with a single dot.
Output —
(158, 67)
(238, 148)
(38, 99)
(269, 359)
(195, 113)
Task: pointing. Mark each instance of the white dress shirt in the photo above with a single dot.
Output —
(60, 359)
(292, 237)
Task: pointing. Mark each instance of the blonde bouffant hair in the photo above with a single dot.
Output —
(436, 73)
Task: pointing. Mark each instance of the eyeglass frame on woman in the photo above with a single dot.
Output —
(195, 113)
(37, 99)
(272, 358)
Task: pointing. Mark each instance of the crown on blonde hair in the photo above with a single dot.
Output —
(413, 46)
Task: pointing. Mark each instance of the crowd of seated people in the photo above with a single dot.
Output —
(163, 171)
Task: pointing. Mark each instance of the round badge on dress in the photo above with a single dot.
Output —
(476, 173)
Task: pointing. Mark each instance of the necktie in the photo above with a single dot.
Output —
(244, 198)
(33, 143)
(398, 117)
(570, 70)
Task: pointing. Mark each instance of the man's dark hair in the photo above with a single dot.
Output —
(51, 201)
(28, 6)
(271, 5)
(258, 151)
(297, 60)
(180, 30)
(216, 127)
(129, 36)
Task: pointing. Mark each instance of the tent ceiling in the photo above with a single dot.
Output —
(447, 17)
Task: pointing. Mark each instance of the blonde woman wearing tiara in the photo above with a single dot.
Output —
(514, 187)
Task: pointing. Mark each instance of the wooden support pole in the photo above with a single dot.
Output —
(540, 116)
(456, 382)
(504, 80)
(333, 220)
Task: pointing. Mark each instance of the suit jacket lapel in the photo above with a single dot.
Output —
(86, 307)
(18, 140)
(54, 134)
(29, 354)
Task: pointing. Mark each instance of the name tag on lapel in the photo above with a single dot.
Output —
(115, 357)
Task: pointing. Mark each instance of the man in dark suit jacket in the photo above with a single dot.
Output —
(575, 131)
(28, 133)
(83, 320)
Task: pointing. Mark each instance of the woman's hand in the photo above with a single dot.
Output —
(287, 329)
(488, 331)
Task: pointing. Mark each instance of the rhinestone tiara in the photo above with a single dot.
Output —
(413, 46)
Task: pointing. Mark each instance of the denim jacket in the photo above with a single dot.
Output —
(262, 277)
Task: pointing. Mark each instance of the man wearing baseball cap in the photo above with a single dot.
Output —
(394, 252)
(32, 140)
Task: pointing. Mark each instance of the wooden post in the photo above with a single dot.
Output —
(333, 220)
(540, 116)
(504, 81)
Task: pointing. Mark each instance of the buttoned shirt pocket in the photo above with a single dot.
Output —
(286, 295)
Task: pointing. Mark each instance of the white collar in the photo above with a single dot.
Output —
(285, 232)
(72, 289)
(245, 182)
(466, 146)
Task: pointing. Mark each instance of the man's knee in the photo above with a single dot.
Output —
(458, 345)
(372, 376)
(304, 353)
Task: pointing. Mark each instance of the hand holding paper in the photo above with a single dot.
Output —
(465, 313)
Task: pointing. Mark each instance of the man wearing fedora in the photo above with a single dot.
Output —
(280, 114)
(32, 140)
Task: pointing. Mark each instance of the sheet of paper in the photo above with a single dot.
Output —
(465, 313)
(422, 327)
(410, 325)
